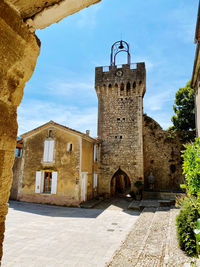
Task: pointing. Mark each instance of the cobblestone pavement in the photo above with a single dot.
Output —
(152, 242)
(50, 236)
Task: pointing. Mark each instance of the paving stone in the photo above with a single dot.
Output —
(49, 236)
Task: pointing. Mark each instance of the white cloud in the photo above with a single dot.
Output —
(65, 88)
(156, 102)
(32, 114)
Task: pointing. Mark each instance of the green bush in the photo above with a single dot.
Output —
(186, 223)
(191, 167)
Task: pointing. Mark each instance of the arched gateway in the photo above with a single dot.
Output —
(120, 183)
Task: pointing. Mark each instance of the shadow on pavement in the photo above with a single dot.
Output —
(60, 211)
(54, 211)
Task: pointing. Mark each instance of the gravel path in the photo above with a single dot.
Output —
(152, 242)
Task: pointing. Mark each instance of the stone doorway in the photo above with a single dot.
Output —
(120, 183)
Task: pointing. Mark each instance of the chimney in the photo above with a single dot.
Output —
(88, 132)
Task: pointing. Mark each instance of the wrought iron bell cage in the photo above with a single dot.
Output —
(117, 47)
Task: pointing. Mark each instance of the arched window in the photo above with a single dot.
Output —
(128, 89)
(134, 84)
(110, 85)
(69, 147)
(122, 89)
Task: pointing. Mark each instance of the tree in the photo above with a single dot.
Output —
(184, 109)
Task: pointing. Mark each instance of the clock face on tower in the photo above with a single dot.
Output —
(119, 73)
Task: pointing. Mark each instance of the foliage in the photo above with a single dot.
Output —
(191, 167)
(197, 234)
(186, 223)
(184, 109)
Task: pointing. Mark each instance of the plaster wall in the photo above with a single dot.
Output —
(67, 165)
(87, 164)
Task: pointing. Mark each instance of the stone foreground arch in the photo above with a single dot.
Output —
(19, 50)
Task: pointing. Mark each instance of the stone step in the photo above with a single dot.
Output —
(160, 195)
(90, 203)
(140, 205)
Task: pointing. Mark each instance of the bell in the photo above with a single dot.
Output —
(121, 45)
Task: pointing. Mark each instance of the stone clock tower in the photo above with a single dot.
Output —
(120, 91)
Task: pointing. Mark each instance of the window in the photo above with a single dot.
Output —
(128, 89)
(95, 180)
(120, 136)
(48, 151)
(46, 182)
(50, 133)
(122, 89)
(95, 153)
(69, 147)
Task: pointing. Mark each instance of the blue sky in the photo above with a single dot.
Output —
(160, 33)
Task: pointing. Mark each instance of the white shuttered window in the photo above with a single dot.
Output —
(54, 183)
(38, 182)
(95, 153)
(46, 182)
(48, 151)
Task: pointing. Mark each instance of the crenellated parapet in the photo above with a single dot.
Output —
(121, 81)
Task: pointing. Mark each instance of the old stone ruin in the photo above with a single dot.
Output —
(134, 149)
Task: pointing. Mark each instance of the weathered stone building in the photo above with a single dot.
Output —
(131, 145)
(162, 156)
(59, 166)
(120, 91)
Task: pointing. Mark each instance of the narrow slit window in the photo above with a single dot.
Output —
(69, 147)
(122, 89)
(128, 89)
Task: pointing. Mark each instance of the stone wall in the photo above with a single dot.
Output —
(19, 50)
(162, 154)
(120, 107)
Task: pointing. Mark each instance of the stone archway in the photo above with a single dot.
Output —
(19, 50)
(120, 183)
